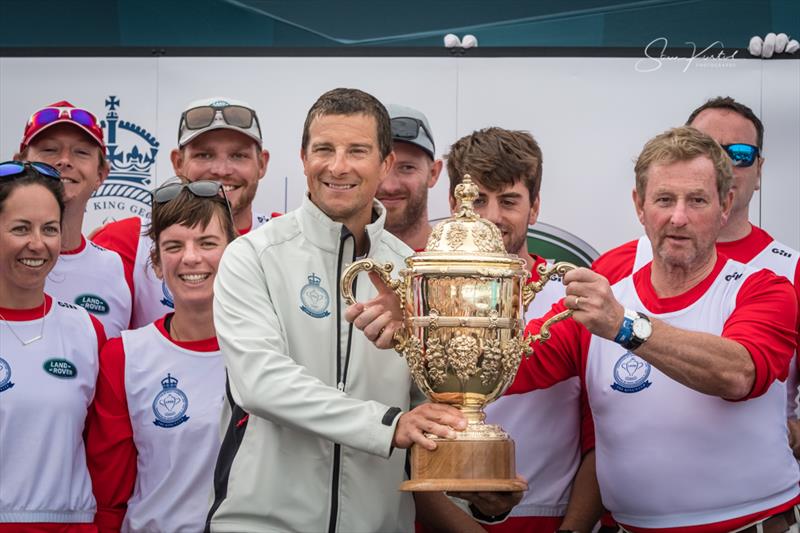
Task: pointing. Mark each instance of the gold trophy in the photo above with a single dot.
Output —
(464, 301)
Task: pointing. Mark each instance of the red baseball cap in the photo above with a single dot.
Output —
(62, 112)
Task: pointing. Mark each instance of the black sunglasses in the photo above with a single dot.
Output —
(742, 155)
(14, 169)
(408, 128)
(200, 188)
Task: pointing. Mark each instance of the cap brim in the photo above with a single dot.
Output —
(421, 146)
(27, 141)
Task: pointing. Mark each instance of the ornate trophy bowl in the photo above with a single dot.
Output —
(463, 302)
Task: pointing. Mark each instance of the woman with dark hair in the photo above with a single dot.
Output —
(154, 429)
(49, 356)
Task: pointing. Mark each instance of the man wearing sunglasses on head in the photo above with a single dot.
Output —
(741, 134)
(71, 140)
(218, 139)
(404, 192)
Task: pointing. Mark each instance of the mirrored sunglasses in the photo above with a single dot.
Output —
(14, 169)
(233, 115)
(742, 155)
(48, 115)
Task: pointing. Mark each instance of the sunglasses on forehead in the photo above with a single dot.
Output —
(234, 115)
(742, 155)
(408, 128)
(48, 115)
(201, 189)
(14, 169)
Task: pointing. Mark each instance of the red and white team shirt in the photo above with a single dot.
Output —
(545, 426)
(154, 431)
(93, 278)
(670, 459)
(151, 297)
(46, 387)
(758, 249)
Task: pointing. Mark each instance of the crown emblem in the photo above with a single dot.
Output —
(313, 279)
(169, 382)
(219, 103)
(131, 149)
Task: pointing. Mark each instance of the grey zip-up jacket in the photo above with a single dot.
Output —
(312, 404)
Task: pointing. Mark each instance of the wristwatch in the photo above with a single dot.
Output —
(636, 328)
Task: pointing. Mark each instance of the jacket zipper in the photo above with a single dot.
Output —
(341, 376)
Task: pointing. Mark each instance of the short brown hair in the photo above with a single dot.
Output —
(188, 210)
(496, 158)
(352, 102)
(726, 102)
(683, 144)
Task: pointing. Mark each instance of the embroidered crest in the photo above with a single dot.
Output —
(630, 374)
(170, 404)
(5, 375)
(167, 300)
(314, 298)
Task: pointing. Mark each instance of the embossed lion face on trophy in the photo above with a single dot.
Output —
(463, 301)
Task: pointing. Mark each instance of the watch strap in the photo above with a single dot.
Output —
(625, 333)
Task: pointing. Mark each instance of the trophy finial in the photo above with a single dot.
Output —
(466, 231)
(466, 193)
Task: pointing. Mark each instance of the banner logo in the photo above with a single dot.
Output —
(132, 155)
(555, 244)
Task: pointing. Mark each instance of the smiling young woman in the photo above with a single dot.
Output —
(154, 429)
(48, 364)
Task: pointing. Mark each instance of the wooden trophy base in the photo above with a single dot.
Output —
(464, 466)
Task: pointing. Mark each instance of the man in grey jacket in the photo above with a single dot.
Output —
(313, 409)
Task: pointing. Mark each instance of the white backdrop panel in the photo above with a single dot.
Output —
(590, 115)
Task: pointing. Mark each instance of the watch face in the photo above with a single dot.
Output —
(642, 328)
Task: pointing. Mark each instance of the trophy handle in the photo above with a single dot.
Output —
(369, 265)
(531, 289)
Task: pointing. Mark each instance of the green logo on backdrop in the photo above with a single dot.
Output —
(557, 244)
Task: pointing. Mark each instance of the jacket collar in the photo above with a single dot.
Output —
(325, 234)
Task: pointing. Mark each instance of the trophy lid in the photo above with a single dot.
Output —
(466, 232)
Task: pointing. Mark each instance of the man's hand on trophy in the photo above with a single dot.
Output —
(378, 318)
(491, 504)
(593, 304)
(436, 418)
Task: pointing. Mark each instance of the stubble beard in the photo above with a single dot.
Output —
(689, 260)
(245, 201)
(410, 217)
(517, 245)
